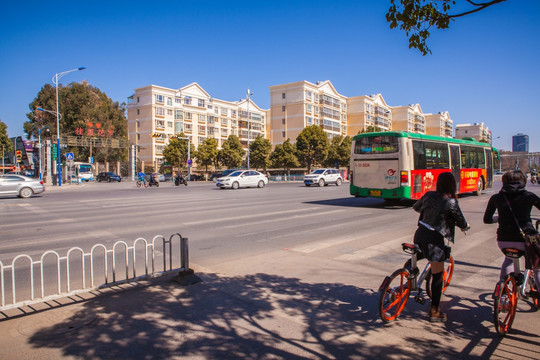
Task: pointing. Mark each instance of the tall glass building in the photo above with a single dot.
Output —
(520, 143)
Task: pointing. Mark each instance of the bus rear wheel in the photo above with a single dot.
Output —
(480, 187)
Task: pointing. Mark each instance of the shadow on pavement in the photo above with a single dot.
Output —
(251, 317)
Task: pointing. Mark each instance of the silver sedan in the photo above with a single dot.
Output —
(22, 186)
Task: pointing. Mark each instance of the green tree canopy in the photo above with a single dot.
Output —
(312, 146)
(207, 153)
(416, 17)
(339, 152)
(284, 156)
(86, 111)
(259, 153)
(176, 152)
(231, 152)
(5, 143)
(370, 129)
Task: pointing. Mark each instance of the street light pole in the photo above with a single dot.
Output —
(55, 81)
(248, 94)
(39, 141)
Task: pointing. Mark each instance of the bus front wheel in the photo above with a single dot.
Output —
(480, 187)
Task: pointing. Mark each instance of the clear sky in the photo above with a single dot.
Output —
(485, 68)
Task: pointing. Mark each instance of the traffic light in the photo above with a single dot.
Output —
(18, 153)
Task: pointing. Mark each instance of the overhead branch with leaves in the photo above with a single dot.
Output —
(416, 17)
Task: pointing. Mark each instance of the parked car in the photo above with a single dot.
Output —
(108, 176)
(168, 177)
(195, 177)
(323, 177)
(218, 175)
(20, 185)
(242, 178)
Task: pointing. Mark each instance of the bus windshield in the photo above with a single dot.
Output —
(376, 145)
(85, 168)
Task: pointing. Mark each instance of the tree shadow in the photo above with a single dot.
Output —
(256, 316)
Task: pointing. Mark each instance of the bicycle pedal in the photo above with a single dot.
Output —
(534, 294)
(420, 299)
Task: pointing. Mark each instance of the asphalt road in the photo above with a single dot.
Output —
(316, 235)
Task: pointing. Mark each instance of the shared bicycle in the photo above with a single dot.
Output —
(142, 183)
(514, 286)
(395, 289)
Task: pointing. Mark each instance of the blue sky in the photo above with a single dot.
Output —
(483, 69)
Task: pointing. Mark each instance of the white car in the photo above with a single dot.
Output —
(323, 177)
(22, 186)
(242, 178)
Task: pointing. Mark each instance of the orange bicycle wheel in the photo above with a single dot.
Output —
(533, 287)
(394, 294)
(447, 276)
(504, 308)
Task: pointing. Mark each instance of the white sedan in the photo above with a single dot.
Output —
(242, 178)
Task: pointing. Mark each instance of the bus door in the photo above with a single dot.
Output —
(489, 168)
(455, 164)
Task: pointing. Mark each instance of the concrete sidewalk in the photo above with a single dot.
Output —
(320, 314)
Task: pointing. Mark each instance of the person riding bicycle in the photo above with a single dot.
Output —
(512, 195)
(439, 214)
(142, 176)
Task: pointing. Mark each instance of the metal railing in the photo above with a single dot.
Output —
(119, 263)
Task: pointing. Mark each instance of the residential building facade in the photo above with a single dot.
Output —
(408, 118)
(520, 143)
(439, 124)
(477, 131)
(295, 106)
(156, 113)
(368, 110)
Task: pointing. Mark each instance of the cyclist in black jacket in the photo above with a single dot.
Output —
(439, 214)
(521, 201)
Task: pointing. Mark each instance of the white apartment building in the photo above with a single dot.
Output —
(368, 110)
(408, 118)
(477, 131)
(439, 124)
(156, 113)
(297, 105)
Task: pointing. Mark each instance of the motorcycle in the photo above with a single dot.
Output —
(180, 180)
(152, 181)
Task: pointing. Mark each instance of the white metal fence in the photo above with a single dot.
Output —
(77, 271)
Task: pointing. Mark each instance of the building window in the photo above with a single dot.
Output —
(138, 112)
(138, 124)
(283, 121)
(189, 116)
(283, 95)
(233, 113)
(201, 139)
(177, 100)
(138, 99)
(179, 115)
(201, 103)
(187, 100)
(159, 111)
(138, 136)
(202, 129)
(169, 124)
(169, 112)
(224, 111)
(169, 101)
(283, 108)
(160, 124)
(283, 134)
(202, 118)
(188, 127)
(159, 98)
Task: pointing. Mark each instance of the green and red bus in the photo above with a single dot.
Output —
(403, 165)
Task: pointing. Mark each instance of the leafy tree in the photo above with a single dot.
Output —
(259, 153)
(231, 152)
(339, 151)
(370, 129)
(85, 111)
(416, 17)
(312, 146)
(284, 156)
(4, 138)
(207, 153)
(176, 152)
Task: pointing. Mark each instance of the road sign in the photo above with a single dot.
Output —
(189, 161)
(69, 156)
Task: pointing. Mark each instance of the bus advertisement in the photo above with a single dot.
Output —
(402, 165)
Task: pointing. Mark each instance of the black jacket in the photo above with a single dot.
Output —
(441, 213)
(521, 202)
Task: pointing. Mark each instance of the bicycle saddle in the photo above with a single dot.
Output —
(411, 248)
(513, 253)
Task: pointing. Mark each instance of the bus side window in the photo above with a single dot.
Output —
(419, 155)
